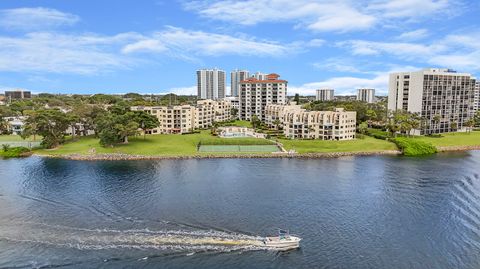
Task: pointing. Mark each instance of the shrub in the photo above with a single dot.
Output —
(378, 134)
(5, 147)
(413, 147)
(15, 152)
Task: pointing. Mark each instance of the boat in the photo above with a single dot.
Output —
(284, 241)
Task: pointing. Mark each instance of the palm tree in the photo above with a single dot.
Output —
(277, 124)
(436, 120)
(453, 126)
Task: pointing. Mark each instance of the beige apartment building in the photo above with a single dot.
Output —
(256, 94)
(186, 118)
(299, 123)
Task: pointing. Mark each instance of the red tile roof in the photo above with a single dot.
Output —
(271, 78)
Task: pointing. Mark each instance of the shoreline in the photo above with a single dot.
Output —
(129, 157)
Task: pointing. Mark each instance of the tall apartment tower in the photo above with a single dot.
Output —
(476, 99)
(325, 95)
(256, 94)
(260, 76)
(440, 96)
(210, 84)
(366, 95)
(236, 77)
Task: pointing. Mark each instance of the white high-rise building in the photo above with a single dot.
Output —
(476, 99)
(236, 77)
(366, 95)
(210, 84)
(260, 76)
(255, 94)
(440, 97)
(325, 95)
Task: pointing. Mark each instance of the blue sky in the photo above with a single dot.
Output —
(154, 46)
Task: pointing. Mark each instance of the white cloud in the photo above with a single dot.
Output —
(315, 15)
(59, 53)
(178, 41)
(192, 90)
(459, 51)
(38, 18)
(413, 35)
(324, 15)
(411, 8)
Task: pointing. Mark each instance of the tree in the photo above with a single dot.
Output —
(469, 124)
(3, 126)
(363, 128)
(50, 124)
(234, 113)
(146, 121)
(436, 119)
(277, 123)
(297, 98)
(255, 121)
(476, 119)
(453, 126)
(117, 124)
(370, 115)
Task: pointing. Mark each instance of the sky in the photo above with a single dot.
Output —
(155, 46)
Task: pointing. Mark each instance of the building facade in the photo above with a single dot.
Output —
(186, 118)
(476, 98)
(325, 95)
(440, 96)
(366, 95)
(299, 123)
(235, 77)
(256, 94)
(210, 84)
(17, 94)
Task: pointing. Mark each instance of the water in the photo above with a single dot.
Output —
(353, 212)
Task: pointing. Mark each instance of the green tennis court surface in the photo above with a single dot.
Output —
(238, 148)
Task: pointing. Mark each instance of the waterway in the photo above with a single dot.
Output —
(352, 212)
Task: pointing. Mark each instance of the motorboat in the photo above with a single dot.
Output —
(284, 241)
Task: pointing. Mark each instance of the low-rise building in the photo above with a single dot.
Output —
(15, 124)
(17, 94)
(185, 118)
(299, 123)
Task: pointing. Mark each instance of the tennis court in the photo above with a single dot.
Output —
(238, 148)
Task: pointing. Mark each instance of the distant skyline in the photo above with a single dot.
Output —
(154, 46)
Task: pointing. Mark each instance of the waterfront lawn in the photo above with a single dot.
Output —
(162, 145)
(454, 139)
(368, 144)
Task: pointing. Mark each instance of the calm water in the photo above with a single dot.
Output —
(355, 212)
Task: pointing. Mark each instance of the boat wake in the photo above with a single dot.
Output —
(98, 239)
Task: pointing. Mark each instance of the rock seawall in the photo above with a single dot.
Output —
(126, 157)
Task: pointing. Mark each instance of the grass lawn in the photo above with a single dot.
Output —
(165, 145)
(359, 145)
(17, 138)
(240, 123)
(453, 139)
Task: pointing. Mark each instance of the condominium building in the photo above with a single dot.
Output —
(440, 96)
(260, 76)
(17, 94)
(255, 94)
(325, 95)
(476, 99)
(185, 118)
(366, 95)
(299, 123)
(235, 77)
(210, 84)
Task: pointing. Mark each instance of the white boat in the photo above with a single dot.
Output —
(284, 241)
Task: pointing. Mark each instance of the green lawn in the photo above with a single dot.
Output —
(240, 123)
(17, 138)
(359, 145)
(164, 145)
(454, 139)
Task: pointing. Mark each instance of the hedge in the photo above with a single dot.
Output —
(413, 147)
